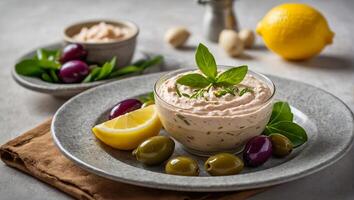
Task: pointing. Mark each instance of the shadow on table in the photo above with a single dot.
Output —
(245, 56)
(327, 62)
(47, 104)
(188, 47)
(258, 47)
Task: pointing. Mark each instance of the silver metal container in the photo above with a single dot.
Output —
(219, 15)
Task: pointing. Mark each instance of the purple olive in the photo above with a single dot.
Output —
(73, 71)
(124, 106)
(73, 52)
(257, 151)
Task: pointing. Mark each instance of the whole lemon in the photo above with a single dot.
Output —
(295, 31)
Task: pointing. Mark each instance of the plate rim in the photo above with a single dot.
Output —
(168, 186)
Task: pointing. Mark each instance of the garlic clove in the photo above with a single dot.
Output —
(177, 36)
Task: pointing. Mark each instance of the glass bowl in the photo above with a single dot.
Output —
(205, 134)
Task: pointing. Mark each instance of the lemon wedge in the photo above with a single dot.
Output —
(127, 131)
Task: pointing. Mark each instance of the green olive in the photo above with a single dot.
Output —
(223, 164)
(281, 145)
(154, 150)
(183, 166)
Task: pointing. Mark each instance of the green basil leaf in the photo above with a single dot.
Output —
(106, 70)
(206, 62)
(45, 54)
(193, 80)
(40, 54)
(49, 64)
(46, 77)
(48, 59)
(154, 61)
(295, 133)
(232, 76)
(54, 76)
(281, 112)
(125, 70)
(113, 62)
(92, 75)
(29, 67)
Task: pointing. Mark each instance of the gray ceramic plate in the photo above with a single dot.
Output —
(68, 90)
(328, 122)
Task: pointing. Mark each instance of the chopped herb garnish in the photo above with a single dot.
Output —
(210, 76)
(177, 91)
(181, 117)
(245, 90)
(186, 95)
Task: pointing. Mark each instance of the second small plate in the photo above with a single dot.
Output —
(69, 90)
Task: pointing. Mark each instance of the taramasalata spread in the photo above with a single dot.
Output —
(211, 122)
(102, 32)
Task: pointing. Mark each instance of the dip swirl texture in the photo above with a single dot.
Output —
(211, 105)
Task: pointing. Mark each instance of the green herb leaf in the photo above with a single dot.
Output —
(125, 70)
(281, 112)
(193, 80)
(54, 76)
(136, 67)
(295, 133)
(48, 59)
(232, 76)
(29, 67)
(46, 77)
(139, 62)
(147, 98)
(226, 90)
(186, 95)
(244, 91)
(49, 64)
(177, 91)
(220, 93)
(45, 54)
(92, 75)
(106, 69)
(153, 61)
(206, 62)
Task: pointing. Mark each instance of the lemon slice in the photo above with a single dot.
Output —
(127, 131)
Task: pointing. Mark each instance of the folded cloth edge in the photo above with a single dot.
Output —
(14, 160)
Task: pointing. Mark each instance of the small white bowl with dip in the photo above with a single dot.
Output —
(213, 124)
(104, 39)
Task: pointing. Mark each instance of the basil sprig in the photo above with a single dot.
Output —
(210, 76)
(281, 121)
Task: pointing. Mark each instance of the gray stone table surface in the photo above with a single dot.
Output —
(25, 25)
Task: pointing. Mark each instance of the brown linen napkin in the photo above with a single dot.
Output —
(35, 153)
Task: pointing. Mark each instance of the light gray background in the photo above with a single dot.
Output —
(25, 25)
